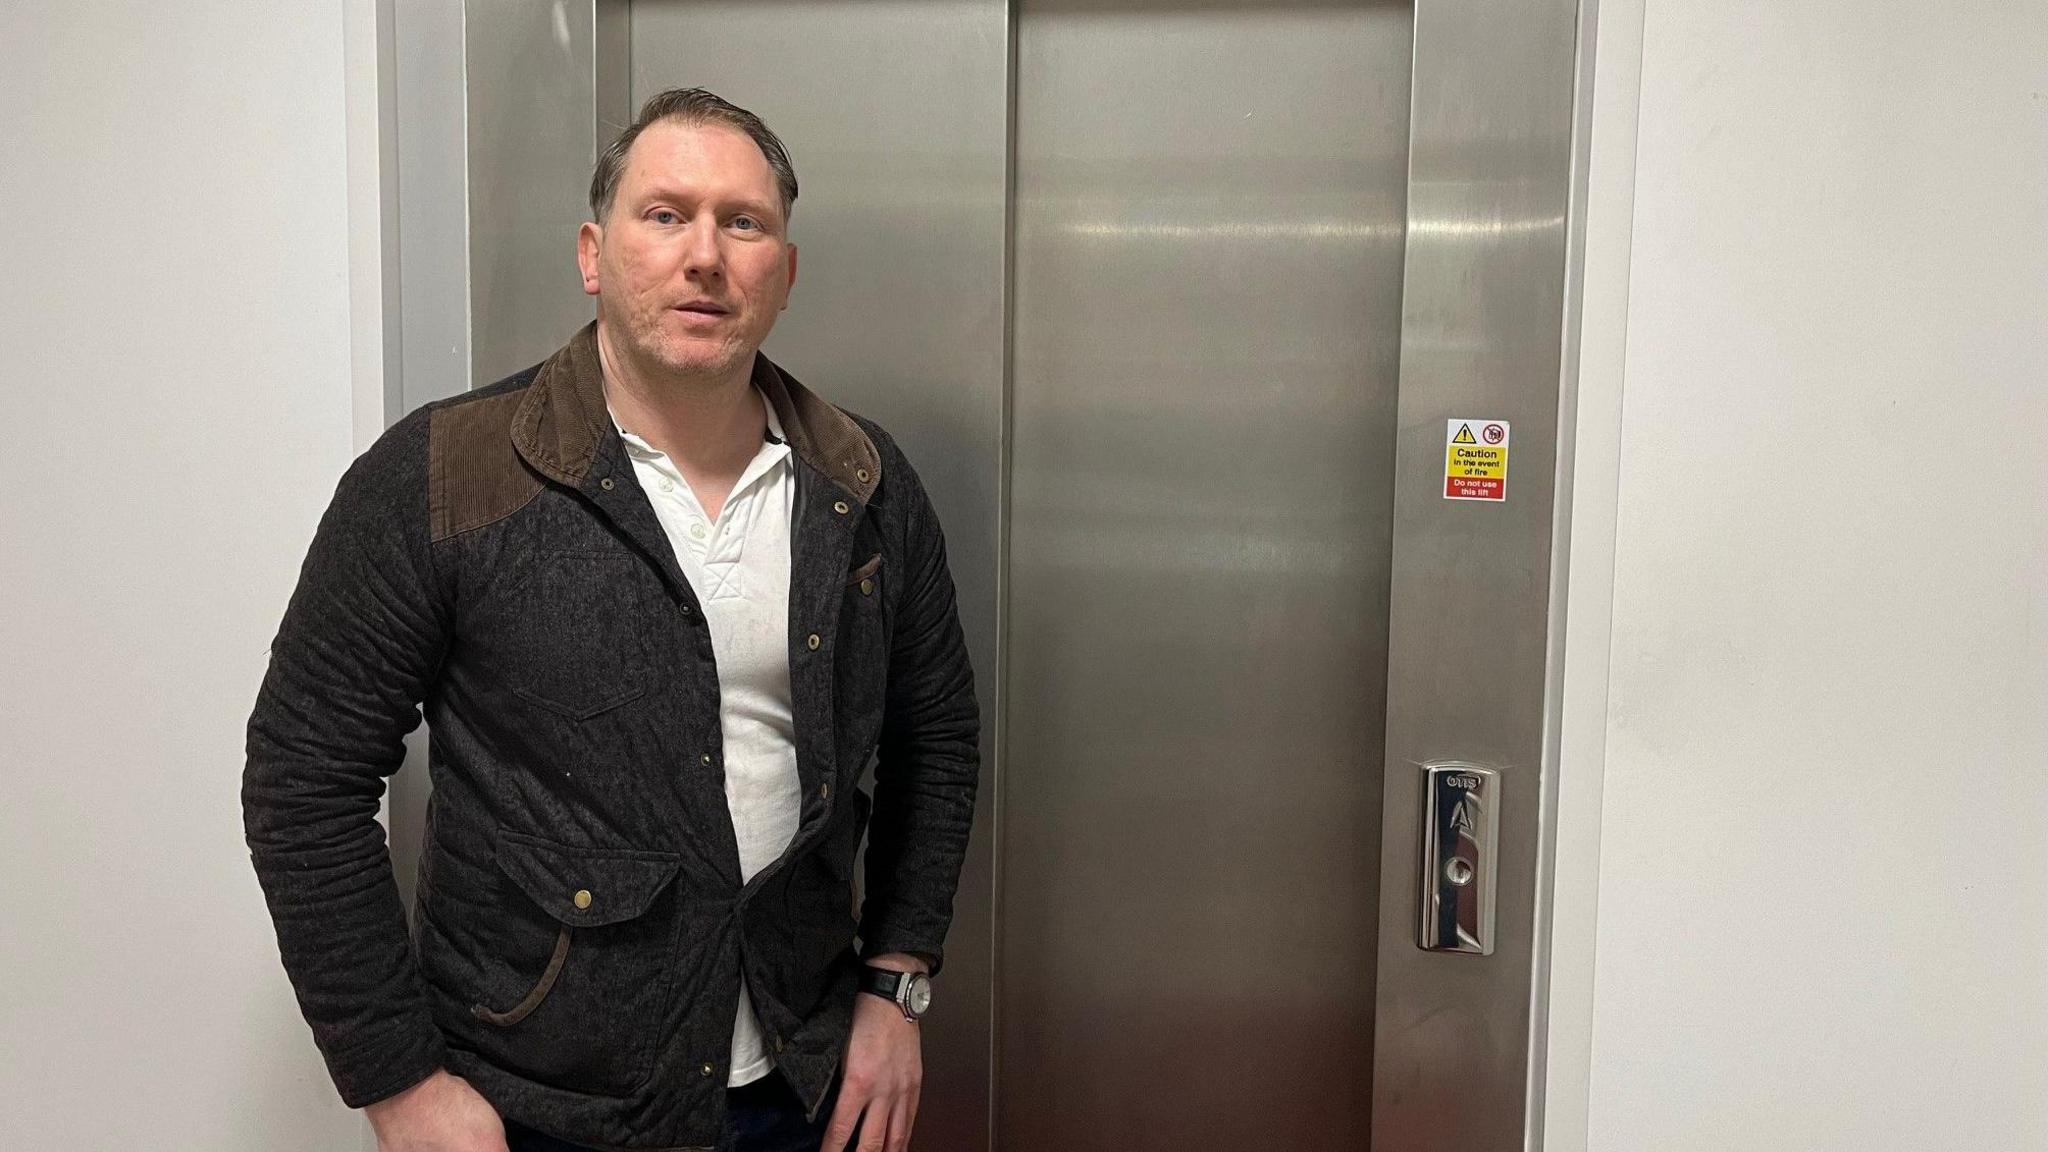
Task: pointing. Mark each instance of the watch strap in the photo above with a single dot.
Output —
(883, 982)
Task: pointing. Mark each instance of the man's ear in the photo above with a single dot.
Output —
(588, 240)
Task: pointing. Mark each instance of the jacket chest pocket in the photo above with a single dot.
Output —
(862, 657)
(579, 634)
(864, 604)
(577, 991)
(866, 578)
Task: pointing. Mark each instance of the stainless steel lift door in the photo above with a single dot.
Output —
(1208, 306)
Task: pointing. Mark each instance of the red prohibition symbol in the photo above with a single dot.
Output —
(1494, 433)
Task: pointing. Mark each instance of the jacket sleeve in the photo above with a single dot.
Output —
(929, 758)
(360, 642)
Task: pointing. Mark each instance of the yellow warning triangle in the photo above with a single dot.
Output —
(1464, 435)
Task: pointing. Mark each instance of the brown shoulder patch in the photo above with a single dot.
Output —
(474, 473)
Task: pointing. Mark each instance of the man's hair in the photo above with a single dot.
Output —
(689, 106)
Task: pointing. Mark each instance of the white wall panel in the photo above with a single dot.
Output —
(1823, 878)
(179, 402)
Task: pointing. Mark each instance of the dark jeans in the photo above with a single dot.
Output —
(765, 1116)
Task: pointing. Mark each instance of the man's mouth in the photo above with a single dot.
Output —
(702, 308)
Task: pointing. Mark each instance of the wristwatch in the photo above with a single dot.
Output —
(909, 991)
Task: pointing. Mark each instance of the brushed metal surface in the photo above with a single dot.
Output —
(895, 114)
(1209, 211)
(1482, 317)
(611, 47)
(532, 109)
(433, 200)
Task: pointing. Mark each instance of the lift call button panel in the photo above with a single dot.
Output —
(1460, 828)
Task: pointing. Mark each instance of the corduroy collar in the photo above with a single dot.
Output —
(563, 420)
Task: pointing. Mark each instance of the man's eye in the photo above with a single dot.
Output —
(745, 222)
(663, 216)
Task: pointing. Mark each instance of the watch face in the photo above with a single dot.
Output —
(920, 994)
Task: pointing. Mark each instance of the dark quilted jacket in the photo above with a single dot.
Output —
(580, 928)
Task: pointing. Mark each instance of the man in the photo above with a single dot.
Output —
(661, 604)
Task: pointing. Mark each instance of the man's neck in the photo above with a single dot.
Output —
(710, 427)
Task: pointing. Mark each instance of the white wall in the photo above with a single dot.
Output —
(179, 401)
(1820, 762)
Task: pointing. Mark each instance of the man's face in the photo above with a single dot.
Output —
(693, 262)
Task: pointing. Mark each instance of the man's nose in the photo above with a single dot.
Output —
(702, 255)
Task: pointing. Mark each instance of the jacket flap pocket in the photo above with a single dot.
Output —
(585, 887)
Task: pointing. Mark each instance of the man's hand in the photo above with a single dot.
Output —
(884, 1073)
(439, 1114)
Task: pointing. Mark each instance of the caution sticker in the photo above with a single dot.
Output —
(1476, 460)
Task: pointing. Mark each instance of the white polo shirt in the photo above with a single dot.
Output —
(739, 565)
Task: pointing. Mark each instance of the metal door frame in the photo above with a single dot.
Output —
(1495, 141)
(1458, 1058)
